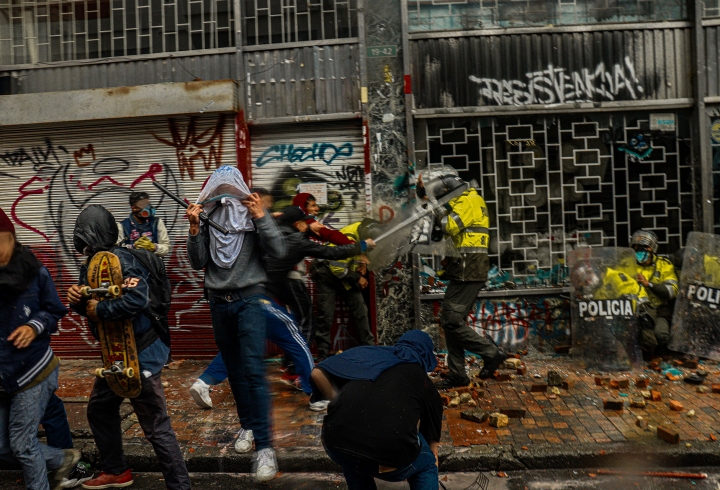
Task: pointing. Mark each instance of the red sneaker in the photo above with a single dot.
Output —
(106, 480)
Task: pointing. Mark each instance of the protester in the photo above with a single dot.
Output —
(467, 224)
(657, 275)
(234, 278)
(318, 231)
(342, 277)
(143, 229)
(385, 417)
(29, 312)
(281, 327)
(95, 231)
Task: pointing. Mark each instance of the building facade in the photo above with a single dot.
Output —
(581, 120)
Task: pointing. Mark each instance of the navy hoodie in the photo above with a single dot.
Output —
(40, 307)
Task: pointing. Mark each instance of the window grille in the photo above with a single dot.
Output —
(438, 15)
(288, 21)
(711, 8)
(38, 31)
(555, 183)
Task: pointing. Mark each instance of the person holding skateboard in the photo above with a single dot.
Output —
(95, 231)
(29, 312)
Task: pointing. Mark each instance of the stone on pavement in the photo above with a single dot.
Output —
(498, 420)
(668, 435)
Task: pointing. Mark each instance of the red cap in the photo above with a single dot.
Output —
(5, 223)
(300, 200)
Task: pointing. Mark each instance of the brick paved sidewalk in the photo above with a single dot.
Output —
(553, 423)
(572, 415)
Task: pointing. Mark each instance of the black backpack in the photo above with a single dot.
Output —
(159, 285)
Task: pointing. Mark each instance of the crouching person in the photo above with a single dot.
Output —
(385, 417)
(29, 311)
(96, 231)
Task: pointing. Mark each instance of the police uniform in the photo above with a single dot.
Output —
(467, 225)
(333, 277)
(661, 293)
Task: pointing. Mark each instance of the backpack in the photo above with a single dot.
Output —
(159, 285)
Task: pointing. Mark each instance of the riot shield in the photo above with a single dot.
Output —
(696, 321)
(604, 304)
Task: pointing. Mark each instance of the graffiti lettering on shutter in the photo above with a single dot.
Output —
(325, 152)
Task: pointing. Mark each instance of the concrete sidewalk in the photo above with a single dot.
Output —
(569, 429)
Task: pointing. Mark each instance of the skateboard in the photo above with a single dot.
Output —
(120, 368)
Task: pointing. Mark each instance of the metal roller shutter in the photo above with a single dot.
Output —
(332, 154)
(49, 173)
(329, 153)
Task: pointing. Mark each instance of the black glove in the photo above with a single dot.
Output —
(436, 235)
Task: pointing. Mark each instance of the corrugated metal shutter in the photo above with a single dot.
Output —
(49, 173)
(330, 153)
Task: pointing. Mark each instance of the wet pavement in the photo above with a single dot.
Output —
(566, 429)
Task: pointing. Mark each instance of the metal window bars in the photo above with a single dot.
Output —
(289, 21)
(711, 8)
(440, 15)
(39, 31)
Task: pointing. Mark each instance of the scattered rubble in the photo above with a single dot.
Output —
(499, 420)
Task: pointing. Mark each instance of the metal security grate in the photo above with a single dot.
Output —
(43, 31)
(438, 15)
(556, 183)
(288, 21)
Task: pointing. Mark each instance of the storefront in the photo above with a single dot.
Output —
(51, 172)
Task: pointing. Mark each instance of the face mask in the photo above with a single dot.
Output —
(641, 256)
(220, 198)
(146, 212)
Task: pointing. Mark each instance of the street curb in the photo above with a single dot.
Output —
(650, 454)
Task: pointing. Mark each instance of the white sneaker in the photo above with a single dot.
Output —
(200, 392)
(244, 443)
(266, 465)
(319, 406)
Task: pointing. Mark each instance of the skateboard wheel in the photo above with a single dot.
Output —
(114, 290)
(100, 372)
(85, 291)
(129, 372)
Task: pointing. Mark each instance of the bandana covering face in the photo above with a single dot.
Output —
(233, 215)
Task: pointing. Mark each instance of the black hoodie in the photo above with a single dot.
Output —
(95, 228)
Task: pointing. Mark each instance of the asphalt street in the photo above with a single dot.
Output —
(515, 480)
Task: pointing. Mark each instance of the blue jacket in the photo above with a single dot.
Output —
(40, 307)
(131, 304)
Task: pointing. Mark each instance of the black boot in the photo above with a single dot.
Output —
(489, 367)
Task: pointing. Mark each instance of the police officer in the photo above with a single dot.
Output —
(467, 225)
(657, 275)
(345, 278)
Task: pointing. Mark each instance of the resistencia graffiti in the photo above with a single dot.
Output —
(325, 152)
(555, 85)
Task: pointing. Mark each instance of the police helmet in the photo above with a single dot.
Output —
(369, 228)
(645, 238)
(443, 182)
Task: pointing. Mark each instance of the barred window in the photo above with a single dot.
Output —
(288, 21)
(439, 15)
(38, 31)
(711, 8)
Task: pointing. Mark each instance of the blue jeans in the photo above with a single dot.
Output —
(281, 329)
(421, 474)
(239, 328)
(55, 423)
(20, 416)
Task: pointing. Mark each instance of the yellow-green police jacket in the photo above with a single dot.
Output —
(345, 269)
(467, 225)
(661, 274)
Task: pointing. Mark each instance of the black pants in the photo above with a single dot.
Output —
(103, 413)
(293, 294)
(327, 287)
(459, 337)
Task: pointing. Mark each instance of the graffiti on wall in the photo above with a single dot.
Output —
(317, 152)
(51, 180)
(557, 85)
(516, 323)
